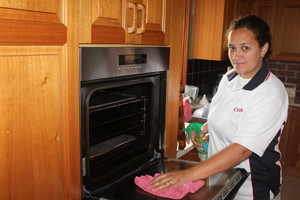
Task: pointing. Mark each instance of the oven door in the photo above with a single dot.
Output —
(122, 126)
(222, 186)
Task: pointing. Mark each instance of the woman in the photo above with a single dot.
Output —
(246, 117)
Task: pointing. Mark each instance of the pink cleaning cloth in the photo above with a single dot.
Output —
(174, 192)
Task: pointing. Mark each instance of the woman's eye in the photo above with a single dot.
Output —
(231, 48)
(245, 48)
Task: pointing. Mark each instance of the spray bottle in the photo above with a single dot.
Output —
(201, 140)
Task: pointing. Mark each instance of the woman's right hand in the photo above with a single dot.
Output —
(204, 130)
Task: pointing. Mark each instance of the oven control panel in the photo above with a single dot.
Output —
(129, 69)
(106, 62)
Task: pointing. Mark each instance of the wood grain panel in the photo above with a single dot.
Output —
(53, 6)
(286, 38)
(155, 22)
(108, 26)
(177, 42)
(39, 100)
(107, 34)
(23, 27)
(290, 143)
(266, 10)
(291, 156)
(155, 13)
(208, 23)
(70, 104)
(153, 37)
(31, 138)
(186, 30)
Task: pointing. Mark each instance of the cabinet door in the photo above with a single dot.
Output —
(211, 20)
(148, 22)
(31, 22)
(135, 21)
(39, 126)
(267, 11)
(123, 21)
(207, 35)
(102, 21)
(31, 146)
(286, 39)
(155, 22)
(290, 139)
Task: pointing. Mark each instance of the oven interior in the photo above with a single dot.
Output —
(122, 127)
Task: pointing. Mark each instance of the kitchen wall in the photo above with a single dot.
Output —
(205, 74)
(288, 72)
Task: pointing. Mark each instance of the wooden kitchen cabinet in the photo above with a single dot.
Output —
(124, 22)
(178, 53)
(287, 28)
(39, 84)
(39, 100)
(266, 10)
(290, 140)
(211, 19)
(283, 16)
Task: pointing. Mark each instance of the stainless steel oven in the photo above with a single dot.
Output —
(122, 111)
(123, 98)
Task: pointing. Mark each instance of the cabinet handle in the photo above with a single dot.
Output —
(141, 29)
(132, 28)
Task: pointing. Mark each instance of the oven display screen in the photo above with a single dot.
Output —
(132, 59)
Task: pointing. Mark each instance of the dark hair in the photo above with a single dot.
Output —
(259, 28)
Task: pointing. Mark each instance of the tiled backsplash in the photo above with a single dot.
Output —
(205, 74)
(287, 72)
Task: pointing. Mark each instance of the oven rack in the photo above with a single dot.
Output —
(114, 134)
(110, 145)
(114, 104)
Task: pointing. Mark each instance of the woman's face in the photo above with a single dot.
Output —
(244, 52)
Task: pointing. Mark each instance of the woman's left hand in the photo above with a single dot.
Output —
(170, 179)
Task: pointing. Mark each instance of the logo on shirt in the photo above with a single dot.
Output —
(237, 109)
